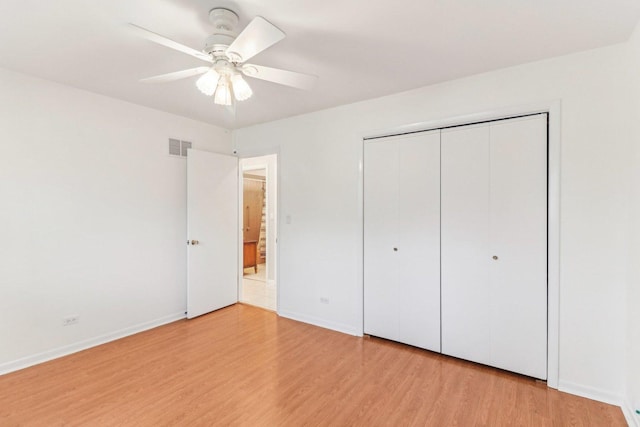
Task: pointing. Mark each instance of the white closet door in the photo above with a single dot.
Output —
(466, 322)
(419, 240)
(494, 254)
(402, 239)
(381, 271)
(518, 230)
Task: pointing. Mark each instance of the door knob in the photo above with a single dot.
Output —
(194, 242)
(395, 249)
(495, 257)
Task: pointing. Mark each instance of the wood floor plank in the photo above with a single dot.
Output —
(243, 366)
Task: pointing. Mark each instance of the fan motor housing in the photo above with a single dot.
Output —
(217, 44)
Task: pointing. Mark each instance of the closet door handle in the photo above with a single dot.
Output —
(395, 249)
(495, 257)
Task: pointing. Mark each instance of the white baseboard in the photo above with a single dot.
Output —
(630, 415)
(590, 393)
(55, 353)
(339, 327)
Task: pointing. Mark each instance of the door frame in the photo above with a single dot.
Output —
(246, 155)
(553, 108)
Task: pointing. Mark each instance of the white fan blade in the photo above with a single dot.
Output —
(283, 77)
(177, 75)
(157, 38)
(256, 37)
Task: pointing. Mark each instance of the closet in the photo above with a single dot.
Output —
(455, 241)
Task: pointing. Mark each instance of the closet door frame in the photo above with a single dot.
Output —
(553, 109)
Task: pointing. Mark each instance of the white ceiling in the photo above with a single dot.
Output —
(360, 49)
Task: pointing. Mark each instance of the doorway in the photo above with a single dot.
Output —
(258, 219)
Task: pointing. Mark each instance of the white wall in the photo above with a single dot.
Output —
(319, 171)
(633, 297)
(92, 217)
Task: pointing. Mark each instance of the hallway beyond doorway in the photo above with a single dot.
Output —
(258, 216)
(256, 290)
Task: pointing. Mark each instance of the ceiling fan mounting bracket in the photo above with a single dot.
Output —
(223, 20)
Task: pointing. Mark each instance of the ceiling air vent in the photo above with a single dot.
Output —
(178, 148)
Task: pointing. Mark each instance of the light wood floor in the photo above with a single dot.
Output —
(245, 366)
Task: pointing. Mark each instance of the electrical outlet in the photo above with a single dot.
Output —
(70, 320)
(324, 300)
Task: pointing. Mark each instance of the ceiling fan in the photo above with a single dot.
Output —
(228, 53)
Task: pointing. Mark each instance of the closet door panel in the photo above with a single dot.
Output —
(466, 327)
(518, 230)
(419, 240)
(402, 239)
(381, 279)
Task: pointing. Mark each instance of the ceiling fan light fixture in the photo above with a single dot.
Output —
(227, 51)
(223, 92)
(241, 88)
(208, 82)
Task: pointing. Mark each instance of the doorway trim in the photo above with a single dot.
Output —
(554, 109)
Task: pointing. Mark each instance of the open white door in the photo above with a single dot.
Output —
(212, 232)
